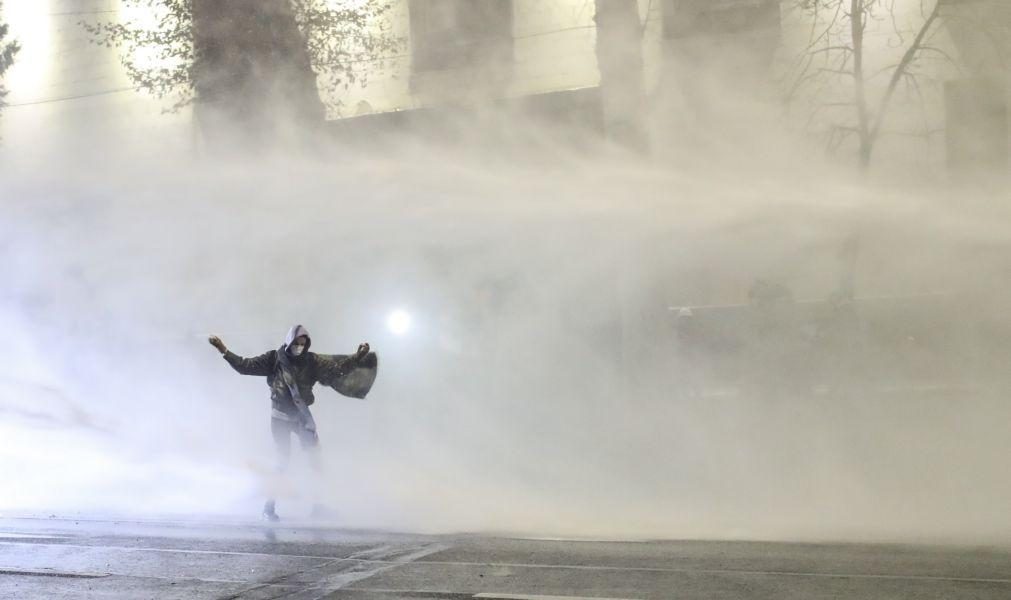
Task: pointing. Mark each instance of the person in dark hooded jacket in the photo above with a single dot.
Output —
(291, 372)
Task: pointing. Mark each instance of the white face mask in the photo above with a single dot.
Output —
(297, 349)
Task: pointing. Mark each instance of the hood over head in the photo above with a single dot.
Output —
(295, 332)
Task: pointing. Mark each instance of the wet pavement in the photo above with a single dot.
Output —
(65, 558)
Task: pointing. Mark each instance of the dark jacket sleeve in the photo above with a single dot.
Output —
(258, 365)
(347, 374)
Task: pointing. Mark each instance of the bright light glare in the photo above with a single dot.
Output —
(399, 322)
(32, 27)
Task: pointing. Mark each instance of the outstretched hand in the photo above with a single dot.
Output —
(217, 343)
(363, 349)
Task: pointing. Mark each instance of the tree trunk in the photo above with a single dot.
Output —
(857, 14)
(619, 59)
(251, 71)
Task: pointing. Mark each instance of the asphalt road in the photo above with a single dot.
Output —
(59, 558)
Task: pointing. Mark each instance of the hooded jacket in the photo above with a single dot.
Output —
(346, 374)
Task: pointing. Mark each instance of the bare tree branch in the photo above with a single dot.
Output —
(840, 54)
(907, 59)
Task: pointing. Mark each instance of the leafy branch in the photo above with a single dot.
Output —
(8, 50)
(340, 38)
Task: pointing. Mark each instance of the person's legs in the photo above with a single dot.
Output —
(281, 431)
(309, 441)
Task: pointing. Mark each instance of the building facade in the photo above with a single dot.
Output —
(462, 54)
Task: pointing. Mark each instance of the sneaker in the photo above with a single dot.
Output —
(268, 512)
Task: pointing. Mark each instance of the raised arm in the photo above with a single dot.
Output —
(262, 365)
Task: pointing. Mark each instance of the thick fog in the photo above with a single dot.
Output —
(540, 386)
(532, 392)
